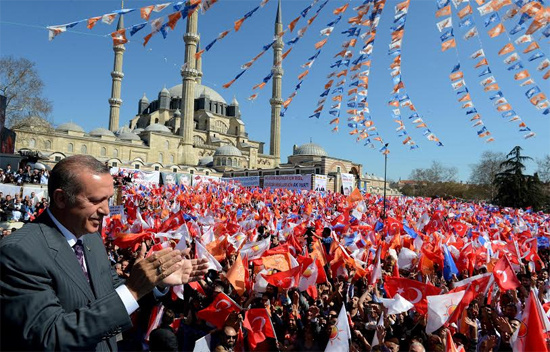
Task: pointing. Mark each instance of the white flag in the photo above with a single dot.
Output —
(202, 252)
(440, 308)
(397, 304)
(339, 334)
(254, 250)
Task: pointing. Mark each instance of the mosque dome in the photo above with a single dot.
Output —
(227, 150)
(157, 127)
(98, 132)
(137, 130)
(125, 134)
(33, 122)
(310, 149)
(69, 126)
(175, 91)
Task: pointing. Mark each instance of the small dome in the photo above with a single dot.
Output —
(177, 113)
(310, 149)
(144, 99)
(69, 126)
(125, 134)
(234, 102)
(137, 130)
(175, 91)
(32, 122)
(165, 91)
(98, 132)
(228, 150)
(157, 127)
(206, 161)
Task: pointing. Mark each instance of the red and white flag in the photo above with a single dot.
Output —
(504, 275)
(531, 335)
(219, 310)
(440, 308)
(413, 291)
(285, 279)
(259, 326)
(254, 250)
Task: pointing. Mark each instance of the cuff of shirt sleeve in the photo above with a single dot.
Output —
(127, 298)
(158, 293)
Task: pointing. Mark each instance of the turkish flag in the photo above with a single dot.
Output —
(259, 326)
(530, 336)
(285, 279)
(413, 291)
(460, 228)
(393, 226)
(219, 310)
(504, 275)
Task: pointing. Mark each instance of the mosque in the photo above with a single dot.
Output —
(190, 129)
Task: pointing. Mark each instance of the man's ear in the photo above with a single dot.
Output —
(60, 198)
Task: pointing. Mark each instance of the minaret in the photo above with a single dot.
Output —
(276, 101)
(199, 67)
(114, 101)
(189, 75)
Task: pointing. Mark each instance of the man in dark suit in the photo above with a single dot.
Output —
(57, 288)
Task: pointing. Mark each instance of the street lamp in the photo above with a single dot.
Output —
(385, 170)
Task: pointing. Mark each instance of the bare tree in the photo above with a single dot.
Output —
(436, 173)
(544, 168)
(484, 172)
(22, 87)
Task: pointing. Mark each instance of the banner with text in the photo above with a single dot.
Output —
(245, 181)
(348, 183)
(320, 183)
(291, 182)
(197, 179)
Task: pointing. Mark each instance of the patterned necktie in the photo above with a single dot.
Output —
(79, 251)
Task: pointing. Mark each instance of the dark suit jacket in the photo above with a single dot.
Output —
(46, 302)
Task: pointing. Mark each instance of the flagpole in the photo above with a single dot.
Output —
(385, 172)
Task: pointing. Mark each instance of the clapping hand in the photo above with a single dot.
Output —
(188, 270)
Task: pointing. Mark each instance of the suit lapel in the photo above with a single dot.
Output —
(94, 269)
(63, 254)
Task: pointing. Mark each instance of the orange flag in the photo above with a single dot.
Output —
(280, 262)
(92, 21)
(456, 76)
(145, 12)
(236, 275)
(146, 38)
(445, 11)
(496, 30)
(320, 44)
(286, 53)
(292, 24)
(238, 24)
(355, 196)
(465, 11)
(119, 37)
(508, 48)
(483, 62)
(504, 107)
(521, 75)
(173, 19)
(491, 87)
(340, 9)
(451, 43)
(303, 74)
(531, 47)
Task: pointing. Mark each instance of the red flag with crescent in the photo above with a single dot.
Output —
(413, 291)
(285, 279)
(219, 310)
(258, 323)
(504, 275)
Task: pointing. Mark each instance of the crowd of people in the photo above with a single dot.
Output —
(24, 175)
(310, 271)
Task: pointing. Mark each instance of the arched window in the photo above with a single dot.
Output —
(84, 149)
(103, 151)
(161, 158)
(167, 145)
(115, 153)
(70, 147)
(47, 145)
(32, 143)
(337, 168)
(171, 158)
(224, 161)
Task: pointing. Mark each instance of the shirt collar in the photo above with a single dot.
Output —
(71, 239)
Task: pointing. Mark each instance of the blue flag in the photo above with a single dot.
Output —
(449, 266)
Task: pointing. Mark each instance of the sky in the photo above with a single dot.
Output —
(76, 66)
